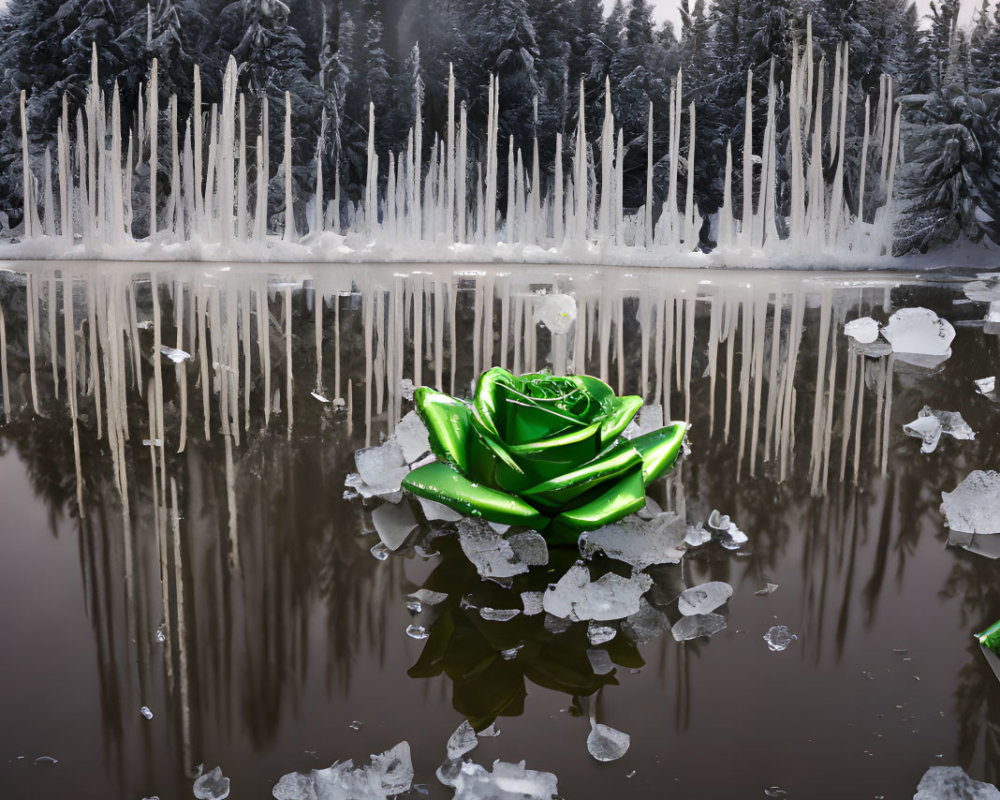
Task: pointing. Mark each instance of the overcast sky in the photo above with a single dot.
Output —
(668, 9)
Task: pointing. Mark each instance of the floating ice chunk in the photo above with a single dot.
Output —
(696, 536)
(394, 769)
(952, 783)
(427, 597)
(438, 512)
(599, 634)
(600, 661)
(379, 551)
(556, 312)
(213, 785)
(974, 505)
(318, 396)
(778, 637)
(46, 760)
(381, 470)
(639, 542)
(930, 424)
(919, 331)
(394, 524)
(489, 732)
(506, 782)
(646, 624)
(497, 557)
(769, 588)
(418, 632)
(532, 602)
(687, 628)
(554, 624)
(610, 597)
(462, 741)
(498, 614)
(175, 355)
(146, 712)
(987, 545)
(731, 537)
(876, 349)
(704, 598)
(986, 386)
(927, 428)
(412, 437)
(864, 330)
(605, 743)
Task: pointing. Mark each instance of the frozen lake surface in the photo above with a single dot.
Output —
(185, 579)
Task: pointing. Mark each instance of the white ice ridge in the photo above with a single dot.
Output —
(570, 218)
(974, 505)
(389, 774)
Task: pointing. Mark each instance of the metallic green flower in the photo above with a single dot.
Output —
(541, 451)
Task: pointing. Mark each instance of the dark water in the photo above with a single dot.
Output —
(280, 629)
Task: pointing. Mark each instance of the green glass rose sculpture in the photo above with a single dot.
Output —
(541, 451)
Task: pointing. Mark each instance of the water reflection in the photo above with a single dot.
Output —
(207, 495)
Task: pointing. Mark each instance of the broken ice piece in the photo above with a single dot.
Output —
(600, 661)
(718, 520)
(704, 598)
(146, 712)
(438, 512)
(645, 624)
(406, 389)
(489, 732)
(213, 785)
(496, 557)
(381, 468)
(698, 625)
(393, 769)
(319, 397)
(394, 524)
(778, 637)
(412, 437)
(639, 542)
(974, 505)
(175, 355)
(46, 760)
(532, 602)
(927, 428)
(427, 597)
(462, 741)
(610, 597)
(732, 538)
(952, 783)
(696, 535)
(650, 510)
(605, 743)
(473, 782)
(864, 330)
(599, 634)
(769, 588)
(919, 331)
(986, 386)
(498, 614)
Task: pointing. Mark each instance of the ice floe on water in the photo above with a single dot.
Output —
(920, 333)
(212, 785)
(731, 537)
(610, 597)
(394, 524)
(646, 624)
(952, 783)
(505, 782)
(390, 774)
(864, 330)
(605, 743)
(380, 471)
(462, 741)
(974, 505)
(778, 637)
(495, 556)
(704, 598)
(931, 424)
(639, 542)
(697, 626)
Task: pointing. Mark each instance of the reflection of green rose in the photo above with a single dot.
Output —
(541, 451)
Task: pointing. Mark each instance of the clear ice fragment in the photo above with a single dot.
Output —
(974, 505)
(610, 597)
(639, 542)
(986, 385)
(497, 557)
(600, 661)
(427, 597)
(213, 785)
(694, 627)
(930, 424)
(381, 469)
(462, 741)
(43, 760)
(646, 624)
(498, 614)
(380, 551)
(146, 712)
(769, 588)
(394, 524)
(532, 602)
(696, 535)
(704, 598)
(599, 634)
(412, 438)
(417, 632)
(607, 744)
(319, 397)
(438, 512)
(393, 769)
(506, 782)
(778, 637)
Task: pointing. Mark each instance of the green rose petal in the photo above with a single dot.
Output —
(623, 409)
(625, 497)
(610, 465)
(447, 421)
(444, 484)
(660, 450)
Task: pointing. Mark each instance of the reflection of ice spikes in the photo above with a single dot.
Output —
(816, 450)
(288, 358)
(5, 386)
